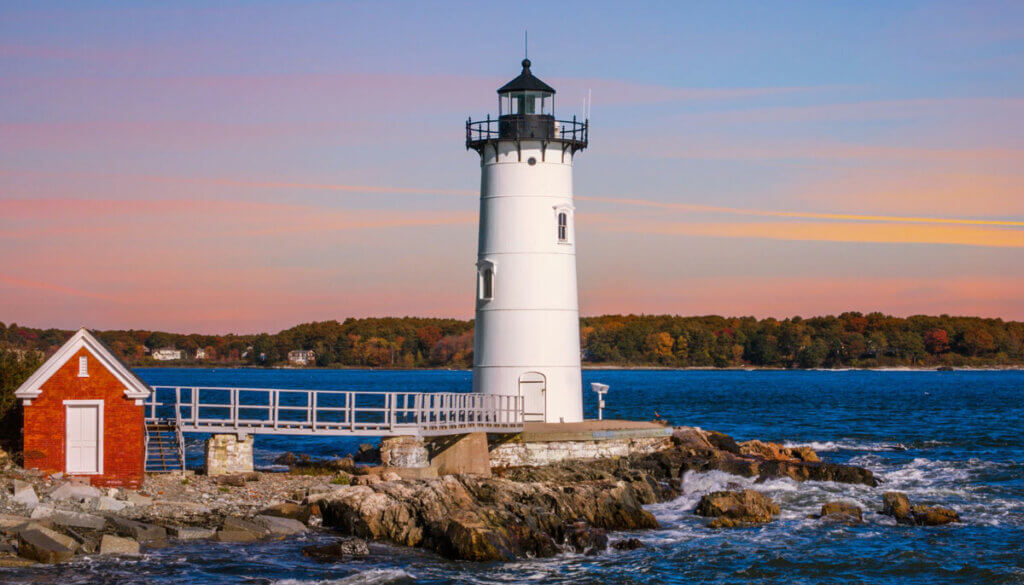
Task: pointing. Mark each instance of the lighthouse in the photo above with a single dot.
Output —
(527, 340)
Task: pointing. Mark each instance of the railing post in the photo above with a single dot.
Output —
(275, 403)
(391, 410)
(195, 406)
(234, 406)
(312, 409)
(352, 410)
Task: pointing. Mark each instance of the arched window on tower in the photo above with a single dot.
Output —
(563, 227)
(486, 283)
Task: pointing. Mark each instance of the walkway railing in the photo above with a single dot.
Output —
(333, 412)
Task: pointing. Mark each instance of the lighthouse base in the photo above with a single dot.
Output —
(551, 394)
(547, 443)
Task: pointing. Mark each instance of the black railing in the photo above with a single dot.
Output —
(572, 132)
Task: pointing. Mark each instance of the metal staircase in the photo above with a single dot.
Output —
(165, 446)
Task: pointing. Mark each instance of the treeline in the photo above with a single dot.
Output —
(847, 340)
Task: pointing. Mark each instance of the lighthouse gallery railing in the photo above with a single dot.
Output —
(333, 412)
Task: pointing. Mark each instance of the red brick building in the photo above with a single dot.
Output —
(84, 415)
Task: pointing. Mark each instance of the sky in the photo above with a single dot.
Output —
(247, 166)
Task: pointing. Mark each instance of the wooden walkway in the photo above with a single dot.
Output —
(332, 412)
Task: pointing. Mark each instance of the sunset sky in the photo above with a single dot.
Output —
(242, 167)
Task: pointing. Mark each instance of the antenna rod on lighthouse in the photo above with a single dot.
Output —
(526, 44)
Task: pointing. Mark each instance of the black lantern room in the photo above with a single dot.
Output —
(526, 111)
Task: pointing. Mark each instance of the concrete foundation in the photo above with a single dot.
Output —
(226, 454)
(460, 454)
(404, 452)
(547, 443)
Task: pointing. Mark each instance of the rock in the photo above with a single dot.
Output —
(841, 512)
(116, 545)
(288, 459)
(9, 561)
(24, 494)
(279, 526)
(339, 550)
(585, 539)
(10, 521)
(298, 512)
(190, 532)
(723, 442)
(140, 531)
(777, 452)
(235, 480)
(68, 518)
(74, 491)
(732, 508)
(237, 536)
(390, 476)
(108, 504)
(627, 544)
(46, 546)
(137, 499)
(933, 515)
(897, 505)
(367, 453)
(232, 524)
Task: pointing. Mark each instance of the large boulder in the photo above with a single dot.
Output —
(46, 546)
(933, 515)
(735, 508)
(190, 532)
(777, 452)
(897, 505)
(69, 518)
(298, 512)
(140, 531)
(585, 539)
(240, 530)
(116, 545)
(278, 526)
(841, 512)
(339, 550)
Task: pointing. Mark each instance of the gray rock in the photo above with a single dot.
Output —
(338, 550)
(137, 499)
(45, 546)
(8, 521)
(24, 493)
(74, 491)
(235, 536)
(75, 519)
(190, 532)
(108, 504)
(140, 531)
(116, 545)
(232, 524)
(280, 526)
(9, 561)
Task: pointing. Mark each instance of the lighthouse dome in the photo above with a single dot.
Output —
(526, 81)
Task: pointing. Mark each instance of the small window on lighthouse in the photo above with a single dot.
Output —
(83, 367)
(487, 284)
(563, 227)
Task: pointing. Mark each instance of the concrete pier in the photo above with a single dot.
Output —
(227, 454)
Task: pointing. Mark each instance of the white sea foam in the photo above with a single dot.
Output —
(370, 577)
(849, 445)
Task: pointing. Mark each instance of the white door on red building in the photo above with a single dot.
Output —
(82, 441)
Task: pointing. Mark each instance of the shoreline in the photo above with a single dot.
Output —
(624, 368)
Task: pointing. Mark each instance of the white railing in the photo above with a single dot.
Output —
(333, 412)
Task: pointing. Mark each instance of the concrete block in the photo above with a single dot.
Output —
(277, 525)
(405, 452)
(24, 493)
(76, 519)
(138, 530)
(46, 546)
(137, 499)
(459, 454)
(226, 454)
(116, 545)
(190, 532)
(74, 491)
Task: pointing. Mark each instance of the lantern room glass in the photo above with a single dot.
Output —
(516, 103)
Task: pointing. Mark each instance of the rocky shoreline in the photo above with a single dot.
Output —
(518, 512)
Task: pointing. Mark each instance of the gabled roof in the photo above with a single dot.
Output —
(133, 386)
(526, 82)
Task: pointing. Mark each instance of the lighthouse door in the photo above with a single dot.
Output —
(533, 389)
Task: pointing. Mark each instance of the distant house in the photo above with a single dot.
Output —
(200, 354)
(301, 357)
(167, 354)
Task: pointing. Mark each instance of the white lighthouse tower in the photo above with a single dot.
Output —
(527, 339)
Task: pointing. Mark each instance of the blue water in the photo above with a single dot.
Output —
(949, 438)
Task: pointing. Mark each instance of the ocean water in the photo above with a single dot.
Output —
(948, 438)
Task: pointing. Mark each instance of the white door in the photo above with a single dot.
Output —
(533, 389)
(83, 438)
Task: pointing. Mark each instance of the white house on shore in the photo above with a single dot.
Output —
(301, 357)
(167, 354)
